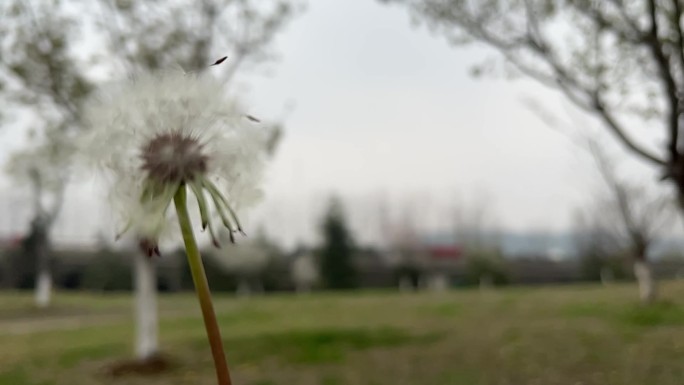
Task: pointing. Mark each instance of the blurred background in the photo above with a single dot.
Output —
(459, 192)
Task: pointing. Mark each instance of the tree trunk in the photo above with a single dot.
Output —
(146, 317)
(644, 277)
(43, 281)
(439, 282)
(43, 292)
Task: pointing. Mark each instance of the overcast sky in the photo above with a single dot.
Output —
(378, 110)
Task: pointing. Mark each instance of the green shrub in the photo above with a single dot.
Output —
(109, 272)
(486, 265)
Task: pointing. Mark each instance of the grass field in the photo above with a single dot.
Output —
(557, 335)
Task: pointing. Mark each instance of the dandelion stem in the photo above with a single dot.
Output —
(199, 278)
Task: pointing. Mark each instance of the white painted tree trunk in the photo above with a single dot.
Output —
(647, 285)
(43, 292)
(146, 314)
(439, 282)
(43, 284)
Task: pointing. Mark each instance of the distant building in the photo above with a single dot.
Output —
(429, 264)
(443, 263)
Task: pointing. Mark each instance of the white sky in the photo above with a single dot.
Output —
(383, 111)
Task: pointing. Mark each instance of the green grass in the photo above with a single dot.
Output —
(317, 346)
(548, 335)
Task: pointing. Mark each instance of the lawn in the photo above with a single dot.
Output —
(548, 335)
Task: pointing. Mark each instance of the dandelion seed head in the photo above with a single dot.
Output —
(158, 131)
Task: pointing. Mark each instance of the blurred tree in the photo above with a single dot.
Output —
(157, 35)
(41, 73)
(619, 61)
(337, 252)
(247, 262)
(486, 267)
(475, 225)
(635, 214)
(597, 245)
(475, 231)
(402, 237)
(112, 272)
(220, 279)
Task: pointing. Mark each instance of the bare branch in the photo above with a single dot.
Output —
(616, 129)
(671, 92)
(642, 214)
(531, 49)
(677, 25)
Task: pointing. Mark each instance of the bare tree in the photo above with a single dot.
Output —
(44, 169)
(596, 243)
(402, 235)
(475, 231)
(41, 74)
(154, 35)
(636, 214)
(474, 224)
(247, 262)
(620, 61)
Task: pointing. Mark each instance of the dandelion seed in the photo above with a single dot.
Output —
(219, 61)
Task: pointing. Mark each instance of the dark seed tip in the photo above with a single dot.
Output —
(219, 61)
(253, 119)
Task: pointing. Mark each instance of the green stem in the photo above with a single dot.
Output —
(199, 278)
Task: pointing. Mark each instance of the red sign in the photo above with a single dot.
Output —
(445, 252)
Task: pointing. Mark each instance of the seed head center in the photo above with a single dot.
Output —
(173, 157)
